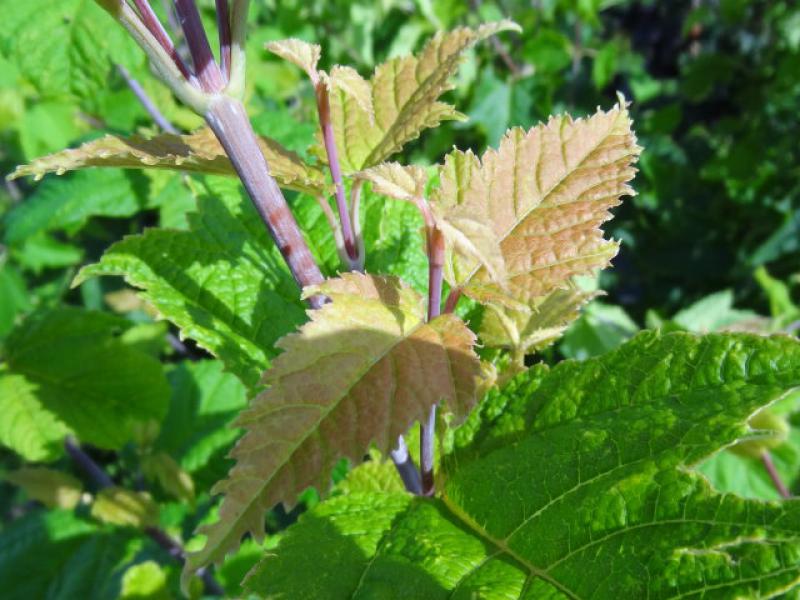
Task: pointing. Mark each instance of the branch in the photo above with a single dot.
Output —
(147, 102)
(160, 537)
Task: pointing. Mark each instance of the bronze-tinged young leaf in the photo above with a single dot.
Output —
(396, 181)
(198, 152)
(360, 372)
(304, 55)
(527, 331)
(348, 81)
(405, 93)
(547, 192)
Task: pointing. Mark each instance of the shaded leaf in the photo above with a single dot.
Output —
(198, 152)
(367, 353)
(598, 496)
(67, 371)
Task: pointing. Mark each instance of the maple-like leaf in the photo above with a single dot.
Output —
(198, 152)
(405, 95)
(361, 371)
(547, 191)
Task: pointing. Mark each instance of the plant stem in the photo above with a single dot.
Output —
(146, 101)
(160, 537)
(428, 428)
(406, 467)
(205, 67)
(452, 300)
(150, 20)
(328, 137)
(224, 27)
(766, 458)
(228, 120)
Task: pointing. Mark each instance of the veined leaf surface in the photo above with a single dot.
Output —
(574, 483)
(361, 371)
(199, 152)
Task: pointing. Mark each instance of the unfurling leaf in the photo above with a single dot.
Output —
(404, 92)
(575, 482)
(525, 331)
(547, 191)
(198, 152)
(349, 82)
(361, 371)
(304, 55)
(52, 488)
(396, 181)
(127, 508)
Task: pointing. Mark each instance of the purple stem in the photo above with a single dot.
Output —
(150, 20)
(766, 458)
(406, 467)
(146, 101)
(435, 277)
(85, 462)
(324, 110)
(224, 27)
(205, 67)
(228, 120)
(452, 300)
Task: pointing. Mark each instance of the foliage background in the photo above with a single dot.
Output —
(715, 90)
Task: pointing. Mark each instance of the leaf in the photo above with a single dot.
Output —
(127, 508)
(222, 282)
(361, 371)
(52, 488)
(575, 482)
(347, 81)
(145, 580)
(396, 181)
(547, 192)
(160, 467)
(59, 556)
(15, 298)
(601, 327)
(304, 55)
(528, 331)
(199, 152)
(66, 371)
(404, 93)
(712, 313)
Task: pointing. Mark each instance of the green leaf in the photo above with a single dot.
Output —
(127, 508)
(15, 298)
(712, 313)
(59, 556)
(574, 482)
(146, 580)
(196, 430)
(368, 352)
(222, 282)
(67, 371)
(67, 204)
(601, 327)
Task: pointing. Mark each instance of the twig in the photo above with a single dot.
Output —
(147, 102)
(328, 137)
(406, 467)
(160, 537)
(766, 458)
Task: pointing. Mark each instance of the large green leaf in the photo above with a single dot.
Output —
(58, 556)
(68, 371)
(574, 483)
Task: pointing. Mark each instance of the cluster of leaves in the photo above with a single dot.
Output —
(573, 481)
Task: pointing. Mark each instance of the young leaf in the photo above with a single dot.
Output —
(404, 92)
(198, 152)
(527, 331)
(547, 192)
(67, 371)
(52, 488)
(598, 496)
(127, 508)
(362, 370)
(347, 81)
(304, 55)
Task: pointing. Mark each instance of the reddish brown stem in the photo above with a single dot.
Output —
(224, 27)
(228, 120)
(452, 300)
(205, 67)
(328, 136)
(150, 20)
(772, 471)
